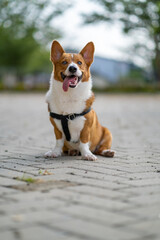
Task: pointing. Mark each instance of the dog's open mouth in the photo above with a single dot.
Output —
(70, 81)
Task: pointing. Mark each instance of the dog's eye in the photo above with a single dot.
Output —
(64, 62)
(79, 62)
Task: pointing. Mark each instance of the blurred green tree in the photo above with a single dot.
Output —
(25, 30)
(142, 15)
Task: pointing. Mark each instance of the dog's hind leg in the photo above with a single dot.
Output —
(104, 148)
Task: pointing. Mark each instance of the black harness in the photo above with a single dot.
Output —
(64, 120)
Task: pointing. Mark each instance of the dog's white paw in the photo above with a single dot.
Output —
(52, 154)
(89, 157)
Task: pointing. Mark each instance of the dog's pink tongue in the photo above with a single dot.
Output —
(67, 81)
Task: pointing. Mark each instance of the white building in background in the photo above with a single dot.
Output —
(110, 70)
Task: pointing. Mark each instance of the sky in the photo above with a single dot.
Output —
(109, 39)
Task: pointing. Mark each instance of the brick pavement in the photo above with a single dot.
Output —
(108, 199)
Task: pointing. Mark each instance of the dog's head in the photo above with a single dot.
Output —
(71, 69)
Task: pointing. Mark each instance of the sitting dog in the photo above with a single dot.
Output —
(69, 99)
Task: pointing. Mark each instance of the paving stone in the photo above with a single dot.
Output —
(85, 199)
(151, 212)
(146, 199)
(17, 167)
(32, 204)
(4, 191)
(101, 216)
(142, 190)
(152, 227)
(39, 233)
(4, 181)
(94, 231)
(8, 235)
(13, 174)
(143, 182)
(43, 232)
(19, 220)
(101, 192)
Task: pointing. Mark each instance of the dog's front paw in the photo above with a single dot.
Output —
(89, 157)
(52, 154)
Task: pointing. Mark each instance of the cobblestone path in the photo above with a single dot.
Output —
(69, 198)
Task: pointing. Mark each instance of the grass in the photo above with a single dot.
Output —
(26, 179)
(33, 180)
(116, 88)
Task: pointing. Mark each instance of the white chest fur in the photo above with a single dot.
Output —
(75, 126)
(72, 101)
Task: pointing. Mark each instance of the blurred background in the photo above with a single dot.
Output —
(126, 34)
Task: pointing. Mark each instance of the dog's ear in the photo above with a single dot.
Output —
(87, 53)
(56, 51)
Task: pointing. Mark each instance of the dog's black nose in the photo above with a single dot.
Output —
(72, 69)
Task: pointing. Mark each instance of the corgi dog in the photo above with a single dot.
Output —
(70, 97)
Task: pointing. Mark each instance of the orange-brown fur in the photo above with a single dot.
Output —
(58, 67)
(57, 132)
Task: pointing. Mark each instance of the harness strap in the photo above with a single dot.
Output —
(66, 131)
(64, 120)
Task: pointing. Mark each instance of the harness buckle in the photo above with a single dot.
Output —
(71, 116)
